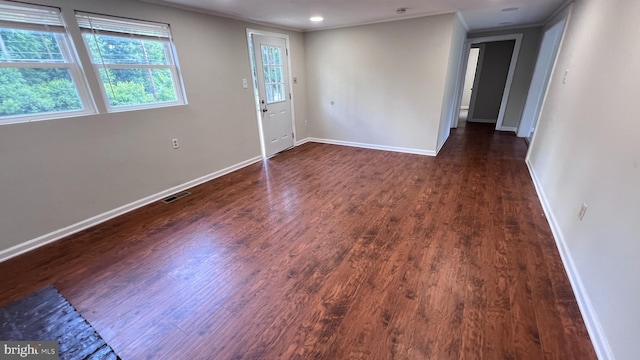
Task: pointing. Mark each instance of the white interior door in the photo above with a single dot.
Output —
(470, 77)
(273, 93)
(476, 80)
(540, 81)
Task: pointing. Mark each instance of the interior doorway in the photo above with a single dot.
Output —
(512, 40)
(490, 83)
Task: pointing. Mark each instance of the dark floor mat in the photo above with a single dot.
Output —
(45, 315)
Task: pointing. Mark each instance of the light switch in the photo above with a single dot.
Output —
(245, 83)
(564, 78)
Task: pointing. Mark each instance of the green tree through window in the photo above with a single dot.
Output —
(32, 88)
(132, 86)
(134, 60)
(41, 76)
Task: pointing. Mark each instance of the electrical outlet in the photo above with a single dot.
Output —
(245, 84)
(306, 122)
(583, 210)
(174, 143)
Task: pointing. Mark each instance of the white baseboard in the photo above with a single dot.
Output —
(441, 145)
(85, 224)
(303, 141)
(598, 338)
(464, 107)
(374, 146)
(508, 128)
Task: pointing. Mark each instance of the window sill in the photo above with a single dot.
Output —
(144, 107)
(45, 116)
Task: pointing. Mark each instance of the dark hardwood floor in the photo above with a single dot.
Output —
(329, 252)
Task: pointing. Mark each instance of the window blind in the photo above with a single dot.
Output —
(102, 23)
(30, 17)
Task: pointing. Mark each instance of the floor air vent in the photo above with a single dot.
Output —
(175, 197)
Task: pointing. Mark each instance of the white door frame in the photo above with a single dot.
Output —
(507, 88)
(254, 80)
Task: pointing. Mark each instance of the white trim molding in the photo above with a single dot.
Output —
(98, 219)
(303, 141)
(596, 333)
(373, 146)
(462, 20)
(508, 128)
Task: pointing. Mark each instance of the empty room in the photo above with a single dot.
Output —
(189, 179)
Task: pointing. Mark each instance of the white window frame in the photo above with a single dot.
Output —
(129, 28)
(46, 19)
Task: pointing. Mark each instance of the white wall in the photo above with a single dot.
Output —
(449, 101)
(387, 82)
(60, 172)
(587, 149)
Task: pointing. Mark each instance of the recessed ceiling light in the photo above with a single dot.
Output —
(316, 18)
(510, 9)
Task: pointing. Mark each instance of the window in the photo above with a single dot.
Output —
(134, 60)
(273, 73)
(40, 77)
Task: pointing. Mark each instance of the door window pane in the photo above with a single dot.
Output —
(265, 54)
(272, 55)
(279, 93)
(269, 90)
(267, 74)
(273, 73)
(278, 75)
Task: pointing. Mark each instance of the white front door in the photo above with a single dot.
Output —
(273, 93)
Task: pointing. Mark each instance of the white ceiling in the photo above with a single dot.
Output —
(294, 14)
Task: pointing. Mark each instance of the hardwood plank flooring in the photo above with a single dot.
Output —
(329, 252)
